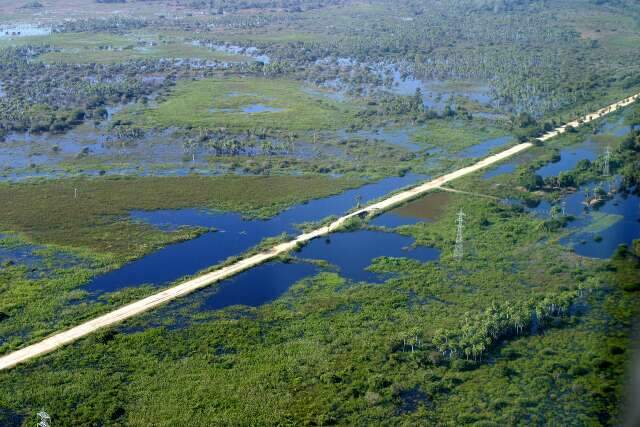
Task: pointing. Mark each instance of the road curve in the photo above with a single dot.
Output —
(130, 310)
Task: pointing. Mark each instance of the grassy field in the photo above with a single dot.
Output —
(103, 48)
(216, 103)
(332, 352)
(48, 213)
(456, 135)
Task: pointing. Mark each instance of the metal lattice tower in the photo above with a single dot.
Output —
(45, 419)
(458, 252)
(606, 171)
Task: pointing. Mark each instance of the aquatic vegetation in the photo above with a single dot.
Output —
(207, 103)
(142, 144)
(97, 218)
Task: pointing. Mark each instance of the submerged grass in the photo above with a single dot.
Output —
(48, 212)
(331, 352)
(454, 134)
(103, 48)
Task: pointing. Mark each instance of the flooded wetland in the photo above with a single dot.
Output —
(233, 211)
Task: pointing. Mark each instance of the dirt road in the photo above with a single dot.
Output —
(63, 338)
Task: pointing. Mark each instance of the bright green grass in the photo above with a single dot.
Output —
(220, 102)
(108, 48)
(455, 135)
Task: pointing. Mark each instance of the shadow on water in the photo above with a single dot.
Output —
(234, 235)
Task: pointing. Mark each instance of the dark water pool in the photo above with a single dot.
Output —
(569, 158)
(259, 285)
(32, 257)
(234, 235)
(392, 220)
(353, 252)
(616, 222)
(350, 252)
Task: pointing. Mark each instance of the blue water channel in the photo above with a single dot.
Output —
(351, 253)
(570, 156)
(234, 235)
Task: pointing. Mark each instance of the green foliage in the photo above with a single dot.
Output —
(220, 103)
(47, 212)
(530, 180)
(477, 334)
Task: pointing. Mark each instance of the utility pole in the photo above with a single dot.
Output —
(564, 208)
(45, 419)
(458, 252)
(75, 193)
(607, 157)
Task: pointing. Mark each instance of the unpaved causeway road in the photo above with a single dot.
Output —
(66, 337)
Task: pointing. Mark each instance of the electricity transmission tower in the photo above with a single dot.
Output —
(45, 419)
(458, 252)
(607, 157)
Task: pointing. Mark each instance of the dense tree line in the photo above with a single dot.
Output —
(478, 333)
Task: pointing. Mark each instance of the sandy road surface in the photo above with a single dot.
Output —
(63, 338)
